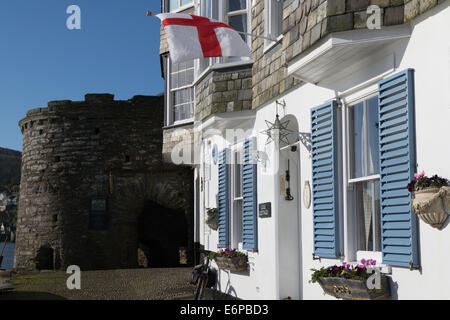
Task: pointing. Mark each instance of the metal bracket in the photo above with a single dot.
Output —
(316, 258)
(411, 268)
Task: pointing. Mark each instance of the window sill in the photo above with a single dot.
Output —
(374, 255)
(219, 66)
(385, 269)
(179, 123)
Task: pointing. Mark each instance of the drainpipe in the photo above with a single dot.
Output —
(276, 163)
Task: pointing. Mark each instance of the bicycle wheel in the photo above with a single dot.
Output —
(200, 288)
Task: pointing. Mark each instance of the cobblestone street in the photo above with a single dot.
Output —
(121, 284)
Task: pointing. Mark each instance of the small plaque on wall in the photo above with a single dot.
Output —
(265, 210)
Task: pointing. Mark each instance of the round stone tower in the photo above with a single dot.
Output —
(94, 188)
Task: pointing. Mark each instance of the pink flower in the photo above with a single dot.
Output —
(419, 176)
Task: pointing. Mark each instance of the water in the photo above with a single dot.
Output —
(8, 255)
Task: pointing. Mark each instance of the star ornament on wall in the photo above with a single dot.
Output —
(277, 129)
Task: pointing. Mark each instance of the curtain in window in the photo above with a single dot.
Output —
(364, 131)
(367, 198)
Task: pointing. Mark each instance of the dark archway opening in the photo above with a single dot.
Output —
(162, 235)
(47, 258)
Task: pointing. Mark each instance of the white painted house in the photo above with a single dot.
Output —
(367, 108)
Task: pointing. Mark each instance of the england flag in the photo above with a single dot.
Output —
(190, 37)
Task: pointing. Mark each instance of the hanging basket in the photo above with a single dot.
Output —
(432, 206)
(212, 219)
(354, 289)
(232, 264)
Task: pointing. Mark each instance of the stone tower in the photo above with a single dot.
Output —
(94, 188)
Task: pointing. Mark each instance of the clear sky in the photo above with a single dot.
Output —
(116, 51)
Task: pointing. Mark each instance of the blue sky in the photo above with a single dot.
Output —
(116, 51)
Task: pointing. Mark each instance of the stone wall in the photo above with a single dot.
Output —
(413, 8)
(224, 90)
(76, 151)
(269, 68)
(180, 137)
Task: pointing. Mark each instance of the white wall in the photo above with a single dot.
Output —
(428, 52)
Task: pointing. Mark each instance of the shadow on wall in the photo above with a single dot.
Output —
(162, 234)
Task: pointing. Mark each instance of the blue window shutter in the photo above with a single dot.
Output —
(249, 194)
(224, 199)
(325, 180)
(397, 168)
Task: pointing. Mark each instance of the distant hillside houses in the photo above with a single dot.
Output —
(10, 167)
(7, 200)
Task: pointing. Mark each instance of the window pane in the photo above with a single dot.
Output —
(183, 105)
(364, 138)
(237, 175)
(367, 205)
(189, 76)
(356, 139)
(181, 79)
(239, 22)
(173, 67)
(279, 19)
(185, 2)
(237, 223)
(174, 4)
(206, 8)
(373, 137)
(189, 64)
(174, 81)
(234, 5)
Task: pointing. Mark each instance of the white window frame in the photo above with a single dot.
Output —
(349, 214)
(225, 15)
(273, 19)
(218, 63)
(235, 217)
(170, 117)
(199, 67)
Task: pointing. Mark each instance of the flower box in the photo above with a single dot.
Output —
(432, 205)
(354, 289)
(212, 219)
(232, 264)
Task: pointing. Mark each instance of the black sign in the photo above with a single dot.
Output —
(265, 210)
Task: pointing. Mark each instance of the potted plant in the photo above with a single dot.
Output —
(348, 282)
(230, 259)
(212, 219)
(431, 199)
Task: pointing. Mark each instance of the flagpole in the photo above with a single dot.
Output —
(149, 13)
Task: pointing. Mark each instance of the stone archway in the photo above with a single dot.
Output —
(154, 216)
(162, 233)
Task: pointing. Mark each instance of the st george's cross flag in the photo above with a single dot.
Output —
(190, 37)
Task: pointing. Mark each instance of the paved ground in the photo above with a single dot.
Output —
(122, 284)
